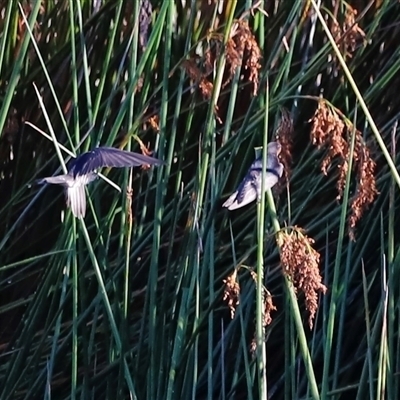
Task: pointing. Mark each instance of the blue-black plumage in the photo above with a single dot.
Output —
(83, 170)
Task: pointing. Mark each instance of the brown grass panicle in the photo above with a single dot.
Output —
(330, 129)
(198, 76)
(232, 291)
(267, 300)
(284, 135)
(246, 52)
(327, 130)
(366, 191)
(300, 263)
(242, 51)
(154, 122)
(348, 35)
(268, 308)
(231, 296)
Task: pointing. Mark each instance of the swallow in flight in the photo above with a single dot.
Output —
(83, 170)
(250, 187)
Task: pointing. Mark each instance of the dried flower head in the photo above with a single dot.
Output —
(300, 262)
(154, 122)
(231, 292)
(198, 77)
(268, 307)
(206, 88)
(267, 301)
(234, 55)
(349, 34)
(366, 190)
(327, 130)
(284, 135)
(330, 129)
(241, 51)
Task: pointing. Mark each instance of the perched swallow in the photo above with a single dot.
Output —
(83, 170)
(250, 187)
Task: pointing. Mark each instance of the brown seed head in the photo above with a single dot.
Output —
(366, 191)
(349, 35)
(231, 292)
(268, 307)
(245, 52)
(154, 122)
(284, 135)
(300, 262)
(331, 130)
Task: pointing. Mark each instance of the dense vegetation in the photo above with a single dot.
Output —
(160, 293)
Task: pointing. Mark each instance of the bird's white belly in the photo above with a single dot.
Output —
(81, 180)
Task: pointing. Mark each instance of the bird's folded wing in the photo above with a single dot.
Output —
(76, 200)
(245, 194)
(250, 188)
(235, 202)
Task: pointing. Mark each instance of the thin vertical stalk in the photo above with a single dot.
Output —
(107, 306)
(295, 310)
(75, 316)
(336, 273)
(260, 329)
(16, 71)
(153, 308)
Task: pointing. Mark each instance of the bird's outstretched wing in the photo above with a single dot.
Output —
(76, 200)
(108, 157)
